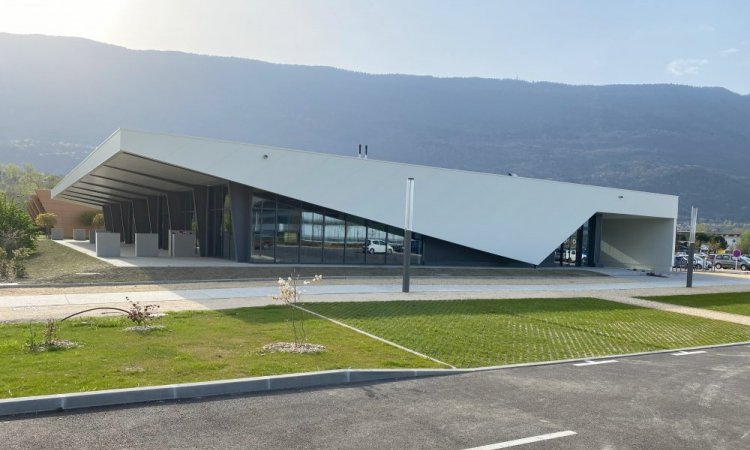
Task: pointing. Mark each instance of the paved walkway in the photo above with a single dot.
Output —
(622, 286)
(697, 312)
(128, 259)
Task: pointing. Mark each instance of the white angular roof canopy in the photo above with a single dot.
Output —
(515, 217)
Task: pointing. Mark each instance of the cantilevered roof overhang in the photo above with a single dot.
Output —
(514, 217)
(122, 176)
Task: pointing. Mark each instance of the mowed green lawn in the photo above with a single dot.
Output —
(735, 303)
(212, 345)
(471, 333)
(195, 346)
(52, 260)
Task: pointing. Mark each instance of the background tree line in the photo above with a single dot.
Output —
(19, 182)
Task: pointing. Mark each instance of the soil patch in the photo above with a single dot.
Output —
(292, 347)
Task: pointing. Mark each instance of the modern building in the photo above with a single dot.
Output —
(264, 204)
(68, 214)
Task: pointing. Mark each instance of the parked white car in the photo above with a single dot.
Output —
(700, 262)
(376, 246)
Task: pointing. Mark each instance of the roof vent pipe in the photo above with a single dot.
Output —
(365, 151)
(360, 151)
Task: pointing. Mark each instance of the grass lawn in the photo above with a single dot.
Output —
(735, 302)
(195, 346)
(494, 332)
(52, 260)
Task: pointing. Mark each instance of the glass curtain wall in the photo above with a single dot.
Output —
(263, 229)
(311, 241)
(356, 234)
(334, 235)
(396, 243)
(376, 245)
(287, 231)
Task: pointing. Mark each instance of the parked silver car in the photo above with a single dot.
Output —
(727, 261)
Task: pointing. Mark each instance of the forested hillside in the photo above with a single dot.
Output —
(59, 97)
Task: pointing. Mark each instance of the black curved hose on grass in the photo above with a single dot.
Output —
(94, 309)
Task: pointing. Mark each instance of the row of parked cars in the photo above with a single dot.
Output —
(706, 262)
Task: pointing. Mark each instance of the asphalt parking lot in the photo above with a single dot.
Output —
(682, 401)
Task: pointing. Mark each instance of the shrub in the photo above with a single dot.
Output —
(141, 315)
(46, 221)
(14, 266)
(16, 228)
(87, 218)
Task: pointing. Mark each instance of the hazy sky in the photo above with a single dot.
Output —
(703, 43)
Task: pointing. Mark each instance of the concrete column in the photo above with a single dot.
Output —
(200, 203)
(595, 239)
(240, 205)
(579, 247)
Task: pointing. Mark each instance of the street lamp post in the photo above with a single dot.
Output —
(691, 246)
(408, 222)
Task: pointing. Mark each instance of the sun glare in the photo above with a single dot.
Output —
(85, 18)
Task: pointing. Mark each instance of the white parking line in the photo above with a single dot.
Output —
(593, 363)
(683, 353)
(528, 440)
(378, 338)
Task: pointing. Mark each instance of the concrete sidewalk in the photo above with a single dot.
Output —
(622, 286)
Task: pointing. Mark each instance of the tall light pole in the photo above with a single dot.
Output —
(408, 222)
(691, 246)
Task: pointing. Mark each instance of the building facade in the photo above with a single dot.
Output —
(68, 214)
(272, 205)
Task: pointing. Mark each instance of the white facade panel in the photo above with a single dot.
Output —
(515, 217)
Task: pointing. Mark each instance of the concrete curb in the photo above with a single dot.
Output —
(187, 391)
(114, 397)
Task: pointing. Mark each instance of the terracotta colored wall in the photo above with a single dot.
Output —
(68, 214)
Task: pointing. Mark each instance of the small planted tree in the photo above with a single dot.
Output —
(46, 221)
(87, 219)
(290, 293)
(97, 221)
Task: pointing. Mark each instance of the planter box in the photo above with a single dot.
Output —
(79, 234)
(181, 243)
(107, 244)
(146, 244)
(57, 234)
(92, 236)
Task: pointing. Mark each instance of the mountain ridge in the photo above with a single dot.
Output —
(59, 97)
